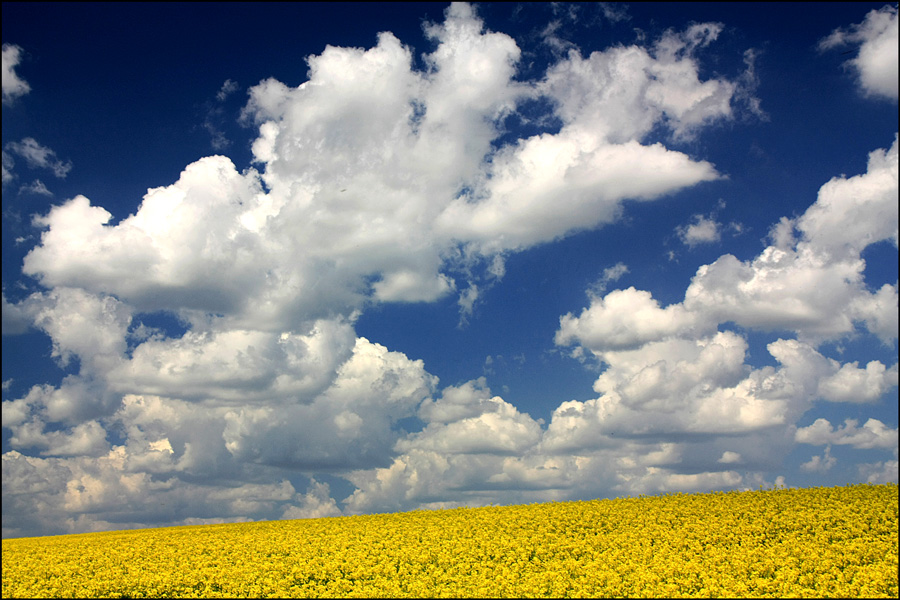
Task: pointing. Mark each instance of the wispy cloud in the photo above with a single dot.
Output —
(40, 157)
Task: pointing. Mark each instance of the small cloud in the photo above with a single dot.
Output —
(729, 457)
(227, 89)
(213, 120)
(8, 164)
(614, 11)
(613, 273)
(40, 157)
(13, 85)
(36, 187)
(704, 230)
(877, 60)
(748, 83)
(820, 464)
(466, 302)
(218, 139)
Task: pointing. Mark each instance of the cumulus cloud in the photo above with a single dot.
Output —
(704, 230)
(317, 503)
(876, 63)
(820, 464)
(377, 182)
(668, 372)
(466, 420)
(815, 285)
(13, 85)
(873, 434)
(625, 319)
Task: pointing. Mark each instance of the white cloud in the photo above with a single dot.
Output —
(467, 420)
(852, 384)
(375, 174)
(877, 60)
(703, 230)
(90, 327)
(814, 286)
(873, 434)
(352, 424)
(611, 274)
(625, 319)
(13, 85)
(380, 183)
(239, 366)
(880, 472)
(729, 457)
(36, 187)
(8, 164)
(40, 157)
(820, 464)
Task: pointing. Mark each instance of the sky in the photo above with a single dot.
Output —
(280, 261)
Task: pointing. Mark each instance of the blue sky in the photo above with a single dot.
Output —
(302, 260)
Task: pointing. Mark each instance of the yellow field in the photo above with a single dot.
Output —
(817, 542)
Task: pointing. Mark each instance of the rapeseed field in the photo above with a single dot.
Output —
(815, 542)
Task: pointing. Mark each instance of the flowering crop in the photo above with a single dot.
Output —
(816, 542)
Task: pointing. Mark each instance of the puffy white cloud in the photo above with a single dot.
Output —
(852, 384)
(873, 434)
(827, 379)
(853, 213)
(877, 60)
(466, 420)
(352, 424)
(668, 375)
(239, 366)
(703, 230)
(80, 494)
(620, 93)
(170, 255)
(13, 85)
(549, 185)
(673, 387)
(880, 472)
(378, 182)
(91, 327)
(626, 319)
(374, 174)
(814, 286)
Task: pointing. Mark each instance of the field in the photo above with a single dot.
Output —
(816, 542)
